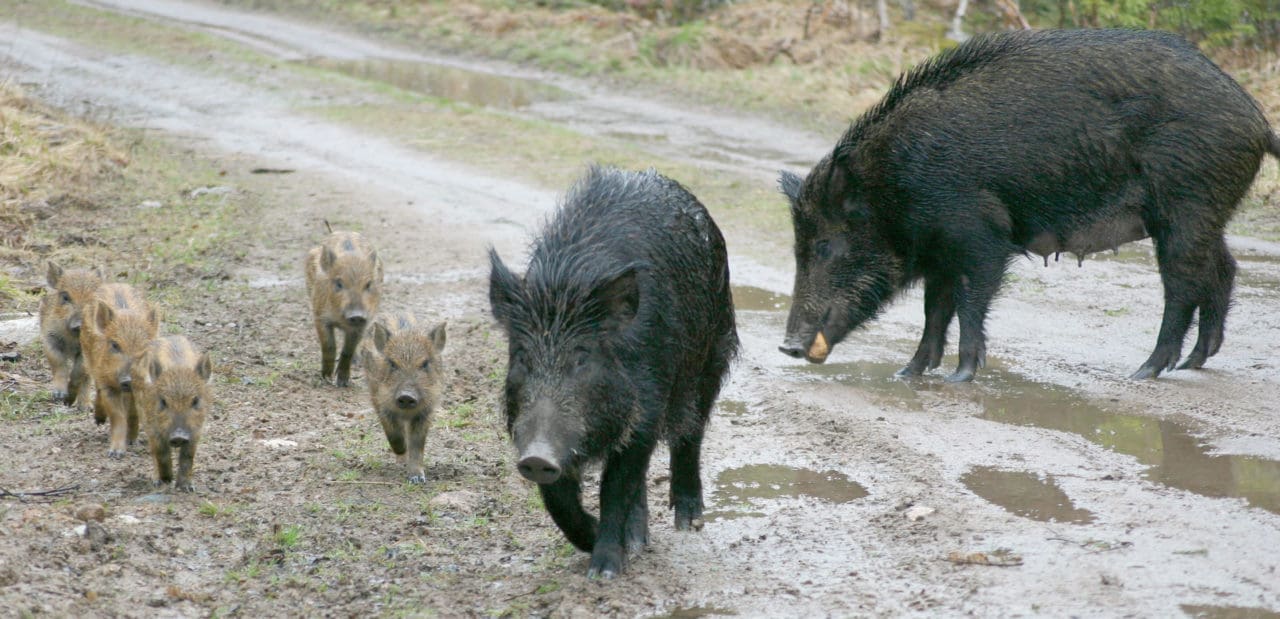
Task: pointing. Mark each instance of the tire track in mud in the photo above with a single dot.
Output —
(907, 445)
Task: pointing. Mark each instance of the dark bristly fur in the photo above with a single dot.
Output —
(620, 334)
(1018, 143)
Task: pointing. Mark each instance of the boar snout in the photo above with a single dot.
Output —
(356, 318)
(407, 399)
(179, 437)
(126, 383)
(792, 348)
(539, 464)
(73, 325)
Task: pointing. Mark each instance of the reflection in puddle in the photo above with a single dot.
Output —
(694, 612)
(729, 514)
(446, 82)
(750, 298)
(1025, 494)
(1176, 457)
(773, 481)
(731, 408)
(1228, 612)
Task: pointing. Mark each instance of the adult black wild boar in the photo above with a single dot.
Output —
(619, 333)
(1022, 143)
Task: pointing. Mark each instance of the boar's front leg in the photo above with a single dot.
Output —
(939, 309)
(563, 499)
(978, 287)
(620, 488)
(349, 343)
(328, 348)
(76, 382)
(417, 444)
(164, 460)
(186, 461)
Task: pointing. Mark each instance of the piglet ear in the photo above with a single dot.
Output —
(620, 298)
(438, 336)
(54, 274)
(327, 258)
(103, 314)
(504, 289)
(380, 337)
(204, 367)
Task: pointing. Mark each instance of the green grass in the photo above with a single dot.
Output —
(24, 406)
(289, 536)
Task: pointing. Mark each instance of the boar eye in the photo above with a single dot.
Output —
(114, 346)
(66, 298)
(425, 364)
(580, 358)
(368, 287)
(392, 364)
(163, 404)
(337, 283)
(195, 402)
(823, 249)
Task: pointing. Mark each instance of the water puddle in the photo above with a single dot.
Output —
(1228, 612)
(1176, 457)
(731, 408)
(1025, 494)
(752, 299)
(695, 612)
(453, 83)
(773, 481)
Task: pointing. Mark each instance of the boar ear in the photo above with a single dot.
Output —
(154, 369)
(54, 274)
(377, 266)
(327, 258)
(102, 274)
(380, 336)
(103, 315)
(790, 184)
(620, 297)
(153, 319)
(438, 335)
(204, 367)
(504, 288)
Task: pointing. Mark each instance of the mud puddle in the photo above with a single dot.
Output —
(447, 82)
(1227, 612)
(744, 485)
(1025, 494)
(696, 612)
(731, 408)
(753, 299)
(1176, 457)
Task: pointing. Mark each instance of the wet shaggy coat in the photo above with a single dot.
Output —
(404, 367)
(118, 325)
(173, 398)
(620, 333)
(61, 318)
(344, 280)
(1027, 143)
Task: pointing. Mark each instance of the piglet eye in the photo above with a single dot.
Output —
(368, 287)
(114, 346)
(66, 298)
(195, 402)
(392, 364)
(337, 283)
(163, 404)
(425, 364)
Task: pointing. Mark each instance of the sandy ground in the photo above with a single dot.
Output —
(834, 490)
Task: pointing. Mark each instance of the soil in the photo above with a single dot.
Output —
(1051, 485)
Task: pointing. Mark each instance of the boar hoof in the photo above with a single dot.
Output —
(115, 453)
(907, 372)
(186, 487)
(689, 524)
(61, 396)
(342, 382)
(962, 375)
(605, 565)
(417, 480)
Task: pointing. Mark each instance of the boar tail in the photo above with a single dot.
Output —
(330, 228)
(1273, 143)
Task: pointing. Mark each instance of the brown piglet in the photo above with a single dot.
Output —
(344, 278)
(172, 397)
(406, 377)
(118, 324)
(61, 316)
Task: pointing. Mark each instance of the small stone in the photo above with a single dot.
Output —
(279, 443)
(150, 204)
(91, 596)
(461, 501)
(91, 511)
(918, 512)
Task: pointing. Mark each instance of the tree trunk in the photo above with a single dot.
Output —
(957, 23)
(882, 10)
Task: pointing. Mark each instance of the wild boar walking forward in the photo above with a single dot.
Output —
(344, 279)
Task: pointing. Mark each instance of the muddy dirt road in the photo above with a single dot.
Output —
(833, 490)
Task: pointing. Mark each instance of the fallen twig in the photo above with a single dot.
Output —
(993, 559)
(22, 497)
(361, 482)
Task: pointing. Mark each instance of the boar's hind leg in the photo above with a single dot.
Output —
(563, 500)
(1220, 273)
(939, 309)
(686, 482)
(621, 487)
(638, 523)
(1185, 267)
(349, 343)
